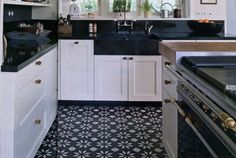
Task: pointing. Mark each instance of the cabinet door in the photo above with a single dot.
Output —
(48, 13)
(110, 78)
(145, 78)
(169, 126)
(76, 70)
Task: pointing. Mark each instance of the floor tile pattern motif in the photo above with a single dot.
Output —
(105, 132)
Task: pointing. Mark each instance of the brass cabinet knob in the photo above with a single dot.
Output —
(167, 82)
(38, 63)
(38, 81)
(167, 63)
(76, 42)
(167, 101)
(37, 122)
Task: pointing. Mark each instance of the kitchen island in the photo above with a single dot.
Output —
(175, 114)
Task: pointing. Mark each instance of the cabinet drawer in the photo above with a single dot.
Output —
(29, 72)
(169, 85)
(31, 130)
(28, 97)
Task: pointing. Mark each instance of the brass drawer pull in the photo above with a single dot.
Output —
(167, 101)
(124, 58)
(76, 42)
(38, 81)
(37, 122)
(38, 63)
(167, 82)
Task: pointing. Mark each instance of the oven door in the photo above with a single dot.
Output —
(195, 137)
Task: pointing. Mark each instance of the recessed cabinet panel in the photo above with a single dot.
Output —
(129, 78)
(169, 126)
(76, 70)
(110, 78)
(145, 78)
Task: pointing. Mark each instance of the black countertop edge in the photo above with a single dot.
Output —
(157, 36)
(129, 54)
(9, 68)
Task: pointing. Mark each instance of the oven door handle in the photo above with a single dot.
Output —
(189, 122)
(180, 110)
(227, 121)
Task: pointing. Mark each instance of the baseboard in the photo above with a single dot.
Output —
(108, 103)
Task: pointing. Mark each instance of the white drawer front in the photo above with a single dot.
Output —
(169, 85)
(28, 97)
(27, 135)
(29, 72)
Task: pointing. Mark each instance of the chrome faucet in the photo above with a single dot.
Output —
(148, 27)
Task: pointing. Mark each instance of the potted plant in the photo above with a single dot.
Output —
(121, 5)
(146, 7)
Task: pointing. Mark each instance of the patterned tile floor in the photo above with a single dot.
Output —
(105, 132)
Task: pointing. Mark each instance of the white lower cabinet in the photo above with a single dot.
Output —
(30, 101)
(133, 78)
(111, 78)
(76, 66)
(169, 112)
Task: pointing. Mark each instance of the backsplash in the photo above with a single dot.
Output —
(104, 26)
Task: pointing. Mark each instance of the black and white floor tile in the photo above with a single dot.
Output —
(105, 132)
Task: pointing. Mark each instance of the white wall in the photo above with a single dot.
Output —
(1, 51)
(210, 11)
(231, 17)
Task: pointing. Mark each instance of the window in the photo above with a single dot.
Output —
(114, 5)
(87, 5)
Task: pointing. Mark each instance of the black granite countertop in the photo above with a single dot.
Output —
(22, 53)
(154, 35)
(192, 36)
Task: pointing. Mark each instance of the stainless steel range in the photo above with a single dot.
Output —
(207, 106)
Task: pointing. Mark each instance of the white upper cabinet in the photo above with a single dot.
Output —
(48, 13)
(20, 2)
(76, 70)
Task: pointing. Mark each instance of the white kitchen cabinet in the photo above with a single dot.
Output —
(20, 2)
(145, 78)
(111, 78)
(169, 112)
(76, 70)
(47, 13)
(31, 106)
(128, 78)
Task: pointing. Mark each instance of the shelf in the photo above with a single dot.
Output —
(19, 2)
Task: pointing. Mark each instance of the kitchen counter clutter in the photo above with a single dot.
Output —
(21, 53)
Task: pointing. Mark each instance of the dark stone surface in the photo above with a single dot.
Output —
(162, 30)
(18, 59)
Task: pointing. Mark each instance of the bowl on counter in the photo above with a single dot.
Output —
(211, 27)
